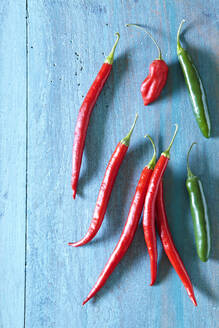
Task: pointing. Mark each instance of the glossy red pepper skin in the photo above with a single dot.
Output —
(83, 121)
(152, 86)
(127, 233)
(168, 244)
(149, 208)
(149, 214)
(154, 83)
(106, 188)
(104, 194)
(84, 117)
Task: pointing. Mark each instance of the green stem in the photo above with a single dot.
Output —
(152, 162)
(125, 141)
(167, 152)
(142, 28)
(179, 47)
(109, 59)
(189, 172)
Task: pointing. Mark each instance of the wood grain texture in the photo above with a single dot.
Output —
(13, 161)
(68, 41)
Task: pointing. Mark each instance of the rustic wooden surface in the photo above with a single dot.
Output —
(13, 162)
(50, 53)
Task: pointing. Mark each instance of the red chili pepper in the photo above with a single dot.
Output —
(149, 209)
(84, 116)
(154, 83)
(168, 245)
(129, 228)
(106, 188)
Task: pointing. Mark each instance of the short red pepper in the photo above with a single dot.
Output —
(154, 83)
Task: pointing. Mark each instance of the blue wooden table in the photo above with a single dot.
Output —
(50, 52)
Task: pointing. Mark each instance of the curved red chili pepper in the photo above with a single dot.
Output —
(129, 228)
(154, 83)
(106, 188)
(149, 209)
(168, 244)
(84, 116)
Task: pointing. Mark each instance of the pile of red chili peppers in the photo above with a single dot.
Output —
(148, 197)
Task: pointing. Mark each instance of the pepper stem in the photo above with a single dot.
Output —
(189, 172)
(109, 59)
(167, 152)
(178, 33)
(142, 28)
(152, 162)
(125, 141)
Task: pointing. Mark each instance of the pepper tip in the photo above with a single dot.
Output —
(85, 301)
(76, 244)
(194, 301)
(152, 282)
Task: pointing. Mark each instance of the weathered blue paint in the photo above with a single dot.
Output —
(13, 161)
(67, 43)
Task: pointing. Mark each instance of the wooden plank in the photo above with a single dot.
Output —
(68, 42)
(13, 161)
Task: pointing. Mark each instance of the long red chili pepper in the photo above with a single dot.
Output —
(84, 116)
(168, 245)
(154, 83)
(129, 228)
(106, 188)
(149, 208)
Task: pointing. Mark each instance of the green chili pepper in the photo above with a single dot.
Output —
(195, 87)
(199, 212)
